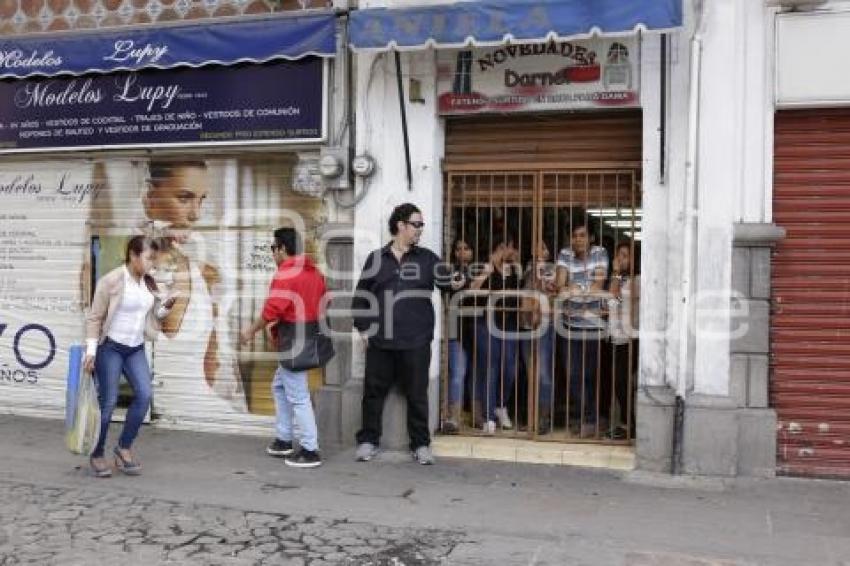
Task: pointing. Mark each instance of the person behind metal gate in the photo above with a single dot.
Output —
(127, 308)
(538, 352)
(496, 334)
(398, 279)
(460, 338)
(293, 309)
(622, 344)
(582, 269)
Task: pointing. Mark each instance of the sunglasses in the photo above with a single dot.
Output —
(416, 225)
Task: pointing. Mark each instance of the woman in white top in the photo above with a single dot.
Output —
(126, 310)
(194, 355)
(623, 333)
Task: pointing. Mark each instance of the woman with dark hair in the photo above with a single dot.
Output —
(460, 333)
(623, 332)
(496, 334)
(195, 341)
(126, 310)
(537, 352)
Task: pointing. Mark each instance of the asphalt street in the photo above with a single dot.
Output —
(218, 499)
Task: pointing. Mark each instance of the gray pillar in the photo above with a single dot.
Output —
(655, 413)
(732, 435)
(331, 400)
(750, 347)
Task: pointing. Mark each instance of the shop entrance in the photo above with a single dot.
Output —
(542, 340)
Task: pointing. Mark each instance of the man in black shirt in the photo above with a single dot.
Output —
(394, 311)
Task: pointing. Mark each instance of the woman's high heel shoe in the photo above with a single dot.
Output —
(129, 467)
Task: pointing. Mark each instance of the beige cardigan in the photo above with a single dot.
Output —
(107, 297)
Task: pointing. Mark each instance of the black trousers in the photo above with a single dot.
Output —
(618, 360)
(409, 370)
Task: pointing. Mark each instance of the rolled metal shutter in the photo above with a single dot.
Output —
(577, 140)
(65, 222)
(810, 324)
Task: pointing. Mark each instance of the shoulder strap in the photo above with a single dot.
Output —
(150, 283)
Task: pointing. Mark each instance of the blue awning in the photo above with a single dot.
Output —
(494, 22)
(189, 45)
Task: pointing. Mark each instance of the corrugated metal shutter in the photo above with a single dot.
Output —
(64, 218)
(810, 328)
(43, 246)
(580, 140)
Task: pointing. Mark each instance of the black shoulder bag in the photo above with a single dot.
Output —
(302, 346)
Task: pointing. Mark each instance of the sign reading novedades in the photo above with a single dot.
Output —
(281, 102)
(558, 75)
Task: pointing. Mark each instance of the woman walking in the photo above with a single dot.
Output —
(126, 310)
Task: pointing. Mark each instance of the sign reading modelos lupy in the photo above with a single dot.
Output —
(599, 72)
(236, 105)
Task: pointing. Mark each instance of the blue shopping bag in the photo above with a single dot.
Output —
(72, 384)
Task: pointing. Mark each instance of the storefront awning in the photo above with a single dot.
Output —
(189, 45)
(494, 22)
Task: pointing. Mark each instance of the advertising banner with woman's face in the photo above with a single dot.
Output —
(65, 224)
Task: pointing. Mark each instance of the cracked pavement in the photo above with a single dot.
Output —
(218, 499)
(70, 526)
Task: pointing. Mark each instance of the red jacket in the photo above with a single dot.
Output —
(295, 293)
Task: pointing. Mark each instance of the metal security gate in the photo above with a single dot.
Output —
(810, 323)
(541, 340)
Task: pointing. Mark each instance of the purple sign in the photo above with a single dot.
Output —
(281, 102)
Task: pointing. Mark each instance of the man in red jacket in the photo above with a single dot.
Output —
(295, 296)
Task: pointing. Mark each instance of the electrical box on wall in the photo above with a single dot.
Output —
(334, 167)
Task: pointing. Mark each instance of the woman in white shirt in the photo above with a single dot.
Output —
(198, 373)
(126, 310)
(623, 333)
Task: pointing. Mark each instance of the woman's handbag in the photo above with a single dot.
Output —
(303, 346)
(82, 411)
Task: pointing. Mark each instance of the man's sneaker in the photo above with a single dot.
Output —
(489, 427)
(280, 448)
(304, 459)
(423, 456)
(365, 451)
(502, 417)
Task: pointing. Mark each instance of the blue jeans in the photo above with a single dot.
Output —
(292, 403)
(545, 371)
(497, 368)
(457, 372)
(113, 359)
(583, 361)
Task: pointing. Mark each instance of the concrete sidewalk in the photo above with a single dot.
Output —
(506, 513)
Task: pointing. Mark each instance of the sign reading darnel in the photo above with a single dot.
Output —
(558, 75)
(279, 102)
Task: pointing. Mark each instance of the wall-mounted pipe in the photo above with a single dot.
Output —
(403, 108)
(691, 209)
